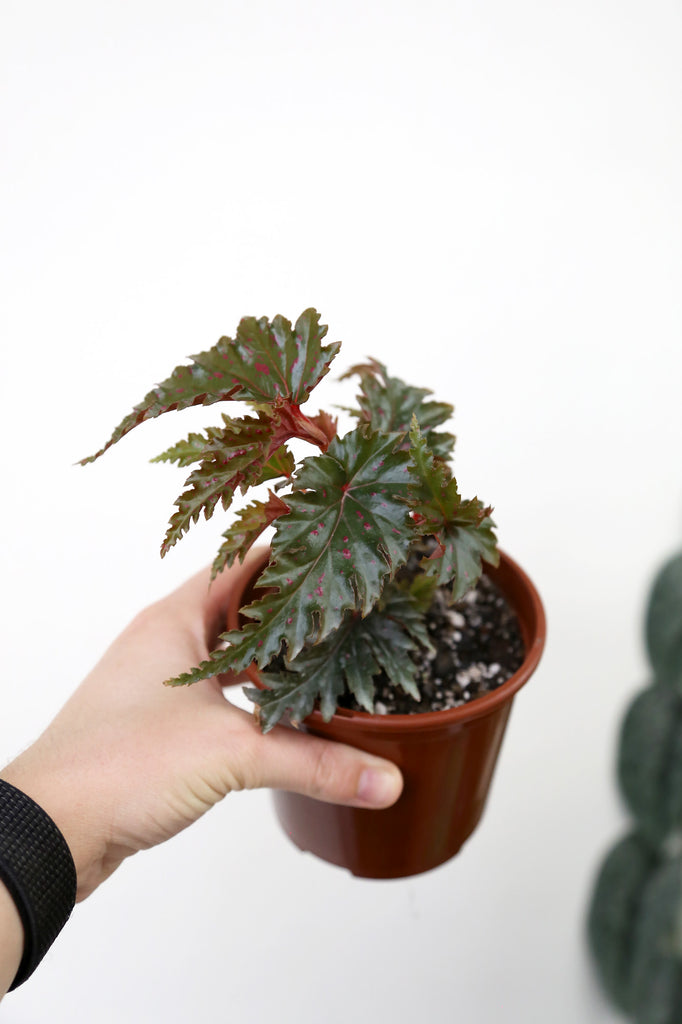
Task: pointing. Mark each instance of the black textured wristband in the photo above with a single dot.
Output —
(38, 870)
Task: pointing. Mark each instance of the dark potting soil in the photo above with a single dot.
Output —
(477, 647)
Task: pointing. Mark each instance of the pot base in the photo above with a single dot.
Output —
(338, 851)
(436, 813)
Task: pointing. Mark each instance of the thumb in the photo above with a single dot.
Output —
(333, 772)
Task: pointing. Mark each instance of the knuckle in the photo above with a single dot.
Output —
(242, 762)
(324, 775)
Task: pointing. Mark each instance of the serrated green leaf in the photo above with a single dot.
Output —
(184, 453)
(406, 605)
(203, 382)
(232, 457)
(664, 624)
(266, 363)
(197, 447)
(462, 529)
(280, 463)
(245, 531)
(273, 361)
(295, 693)
(464, 544)
(215, 480)
(388, 404)
(346, 533)
(216, 664)
(245, 452)
(349, 657)
(422, 588)
(441, 444)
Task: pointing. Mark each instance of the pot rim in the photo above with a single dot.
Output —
(534, 628)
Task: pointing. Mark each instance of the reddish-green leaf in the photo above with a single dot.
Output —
(266, 362)
(462, 529)
(347, 531)
(349, 658)
(388, 404)
(213, 481)
(184, 453)
(280, 463)
(273, 361)
(296, 692)
(232, 457)
(217, 663)
(269, 431)
(197, 447)
(326, 424)
(406, 604)
(245, 531)
(245, 452)
(203, 382)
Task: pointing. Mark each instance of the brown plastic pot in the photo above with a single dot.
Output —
(447, 759)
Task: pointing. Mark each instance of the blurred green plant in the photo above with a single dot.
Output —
(635, 916)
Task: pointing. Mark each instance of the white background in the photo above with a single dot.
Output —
(487, 197)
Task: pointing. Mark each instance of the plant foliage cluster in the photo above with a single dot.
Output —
(635, 921)
(333, 613)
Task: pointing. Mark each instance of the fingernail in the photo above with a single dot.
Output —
(378, 788)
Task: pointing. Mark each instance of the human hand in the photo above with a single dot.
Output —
(128, 763)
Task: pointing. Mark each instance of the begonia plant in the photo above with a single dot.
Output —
(335, 610)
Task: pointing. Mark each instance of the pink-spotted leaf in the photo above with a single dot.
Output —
(197, 447)
(348, 659)
(266, 362)
(232, 457)
(347, 532)
(214, 481)
(463, 529)
(388, 404)
(245, 452)
(272, 362)
(246, 529)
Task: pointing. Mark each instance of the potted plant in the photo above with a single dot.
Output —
(370, 593)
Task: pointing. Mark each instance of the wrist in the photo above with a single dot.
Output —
(62, 797)
(11, 939)
(38, 873)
